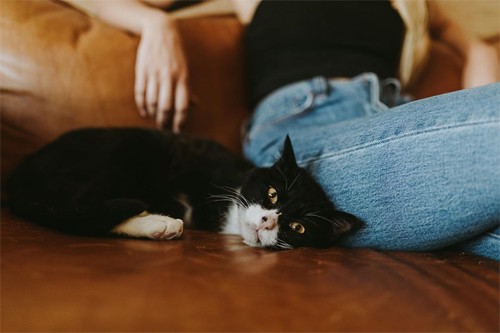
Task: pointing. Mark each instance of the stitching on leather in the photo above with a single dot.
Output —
(407, 135)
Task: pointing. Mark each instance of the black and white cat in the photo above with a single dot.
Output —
(148, 183)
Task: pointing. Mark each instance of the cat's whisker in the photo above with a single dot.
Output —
(241, 203)
(278, 246)
(283, 245)
(239, 195)
(295, 180)
(219, 200)
(313, 223)
(286, 181)
(224, 196)
(237, 203)
(229, 189)
(227, 198)
(234, 191)
(322, 217)
(286, 246)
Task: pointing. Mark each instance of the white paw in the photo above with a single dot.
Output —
(151, 226)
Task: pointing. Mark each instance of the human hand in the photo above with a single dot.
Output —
(482, 66)
(161, 75)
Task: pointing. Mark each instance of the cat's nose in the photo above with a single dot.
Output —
(268, 223)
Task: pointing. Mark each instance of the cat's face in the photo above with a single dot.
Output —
(286, 208)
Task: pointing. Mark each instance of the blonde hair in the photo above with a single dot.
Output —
(415, 51)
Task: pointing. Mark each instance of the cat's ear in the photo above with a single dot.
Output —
(287, 160)
(344, 223)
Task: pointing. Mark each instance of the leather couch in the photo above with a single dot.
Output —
(61, 70)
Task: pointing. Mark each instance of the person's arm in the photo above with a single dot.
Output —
(481, 60)
(129, 15)
(161, 75)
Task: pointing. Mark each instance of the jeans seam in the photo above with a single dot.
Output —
(390, 139)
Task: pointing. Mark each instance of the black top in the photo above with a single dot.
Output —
(289, 41)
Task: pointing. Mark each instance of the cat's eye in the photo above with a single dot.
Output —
(297, 227)
(272, 195)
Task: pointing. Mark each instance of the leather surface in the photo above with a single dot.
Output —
(213, 282)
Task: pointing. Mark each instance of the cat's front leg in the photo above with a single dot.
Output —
(158, 227)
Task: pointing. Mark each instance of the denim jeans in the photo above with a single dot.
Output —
(422, 175)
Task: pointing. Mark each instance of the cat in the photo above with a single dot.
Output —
(147, 183)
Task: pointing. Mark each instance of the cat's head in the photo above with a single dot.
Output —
(286, 208)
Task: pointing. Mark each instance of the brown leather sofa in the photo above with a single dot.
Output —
(62, 70)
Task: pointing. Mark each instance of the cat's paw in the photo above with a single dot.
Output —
(161, 227)
(152, 226)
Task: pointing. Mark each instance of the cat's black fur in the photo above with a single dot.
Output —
(88, 181)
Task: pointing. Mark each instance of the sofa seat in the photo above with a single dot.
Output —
(212, 282)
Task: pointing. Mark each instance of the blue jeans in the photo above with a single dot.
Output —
(423, 175)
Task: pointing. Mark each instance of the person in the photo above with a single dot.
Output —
(422, 175)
